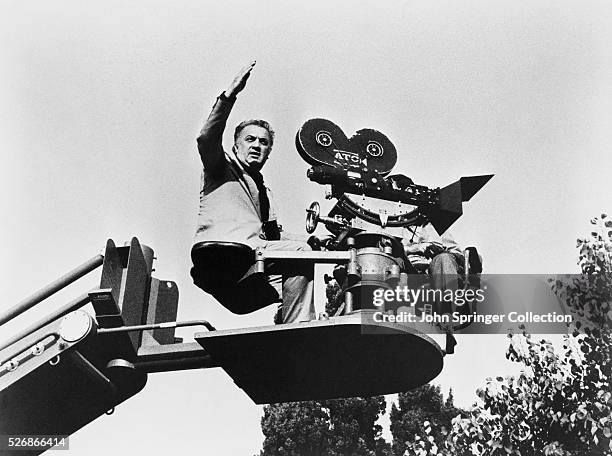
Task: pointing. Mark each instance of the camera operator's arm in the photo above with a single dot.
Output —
(210, 140)
(449, 245)
(441, 243)
(426, 243)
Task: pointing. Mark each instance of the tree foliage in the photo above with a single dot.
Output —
(560, 404)
(420, 409)
(295, 428)
(324, 428)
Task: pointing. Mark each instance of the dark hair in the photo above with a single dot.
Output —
(259, 123)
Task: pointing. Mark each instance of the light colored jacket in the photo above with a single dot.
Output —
(229, 197)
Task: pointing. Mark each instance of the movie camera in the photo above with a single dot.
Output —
(373, 207)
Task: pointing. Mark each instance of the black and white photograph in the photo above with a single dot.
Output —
(369, 228)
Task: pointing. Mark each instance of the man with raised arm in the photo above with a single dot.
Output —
(235, 204)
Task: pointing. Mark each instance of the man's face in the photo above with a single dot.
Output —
(252, 147)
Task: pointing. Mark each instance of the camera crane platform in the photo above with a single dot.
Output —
(73, 365)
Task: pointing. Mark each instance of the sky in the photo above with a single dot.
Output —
(101, 102)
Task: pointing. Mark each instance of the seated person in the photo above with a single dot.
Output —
(427, 251)
(442, 259)
(235, 204)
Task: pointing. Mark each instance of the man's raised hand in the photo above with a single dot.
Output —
(240, 80)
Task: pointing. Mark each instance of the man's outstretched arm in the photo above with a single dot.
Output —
(210, 139)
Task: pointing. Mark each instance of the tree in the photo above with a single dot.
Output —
(561, 403)
(354, 425)
(296, 428)
(420, 409)
(324, 428)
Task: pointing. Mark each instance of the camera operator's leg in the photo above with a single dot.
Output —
(297, 285)
(444, 271)
(444, 275)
